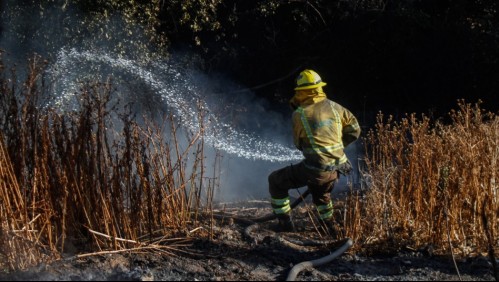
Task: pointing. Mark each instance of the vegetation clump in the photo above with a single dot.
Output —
(92, 178)
(432, 185)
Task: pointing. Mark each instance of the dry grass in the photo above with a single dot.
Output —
(432, 184)
(71, 180)
(97, 181)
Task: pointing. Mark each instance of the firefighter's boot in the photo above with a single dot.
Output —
(285, 223)
(282, 210)
(326, 220)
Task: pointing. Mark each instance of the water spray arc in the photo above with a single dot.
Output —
(179, 95)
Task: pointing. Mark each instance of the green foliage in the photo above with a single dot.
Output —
(195, 16)
(123, 27)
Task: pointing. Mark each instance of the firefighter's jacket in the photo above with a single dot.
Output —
(322, 129)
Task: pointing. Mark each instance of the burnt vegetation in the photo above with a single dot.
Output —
(101, 181)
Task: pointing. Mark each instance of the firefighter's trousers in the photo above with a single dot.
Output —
(320, 183)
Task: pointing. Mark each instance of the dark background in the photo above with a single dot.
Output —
(392, 56)
(396, 57)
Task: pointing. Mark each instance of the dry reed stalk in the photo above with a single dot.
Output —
(20, 249)
(19, 246)
(405, 161)
(73, 172)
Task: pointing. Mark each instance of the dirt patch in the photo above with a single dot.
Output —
(263, 256)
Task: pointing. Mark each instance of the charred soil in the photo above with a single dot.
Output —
(226, 251)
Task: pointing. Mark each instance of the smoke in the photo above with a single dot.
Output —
(251, 138)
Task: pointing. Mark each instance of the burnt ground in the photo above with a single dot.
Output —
(231, 255)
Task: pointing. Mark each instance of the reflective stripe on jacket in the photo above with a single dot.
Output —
(322, 128)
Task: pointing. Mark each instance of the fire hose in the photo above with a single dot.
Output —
(318, 262)
(295, 270)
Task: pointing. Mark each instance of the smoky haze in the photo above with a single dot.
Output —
(251, 138)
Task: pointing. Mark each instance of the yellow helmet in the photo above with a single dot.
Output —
(308, 79)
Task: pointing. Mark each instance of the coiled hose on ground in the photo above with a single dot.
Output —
(318, 262)
(253, 224)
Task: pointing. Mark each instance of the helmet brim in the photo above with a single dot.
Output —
(320, 84)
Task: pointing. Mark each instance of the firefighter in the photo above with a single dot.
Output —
(321, 130)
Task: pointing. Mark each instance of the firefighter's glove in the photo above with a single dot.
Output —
(345, 168)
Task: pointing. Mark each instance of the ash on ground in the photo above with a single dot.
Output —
(229, 253)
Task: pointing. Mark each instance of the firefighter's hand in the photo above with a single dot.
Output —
(345, 168)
